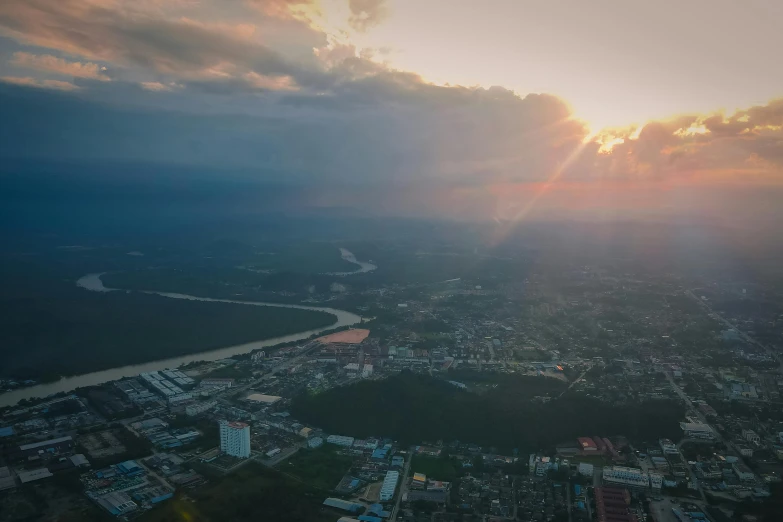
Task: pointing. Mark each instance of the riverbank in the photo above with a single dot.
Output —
(93, 282)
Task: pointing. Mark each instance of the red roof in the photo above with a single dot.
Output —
(586, 442)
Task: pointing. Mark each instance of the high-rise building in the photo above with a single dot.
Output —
(235, 439)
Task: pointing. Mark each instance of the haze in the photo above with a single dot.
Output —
(508, 110)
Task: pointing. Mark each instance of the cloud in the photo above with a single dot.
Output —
(127, 36)
(158, 87)
(41, 84)
(366, 13)
(49, 63)
(746, 145)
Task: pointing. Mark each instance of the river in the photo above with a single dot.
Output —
(347, 255)
(94, 283)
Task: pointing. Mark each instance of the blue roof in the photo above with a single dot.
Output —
(380, 453)
(342, 504)
(367, 518)
(377, 509)
(129, 466)
(7, 431)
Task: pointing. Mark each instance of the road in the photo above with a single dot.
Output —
(698, 414)
(577, 380)
(283, 455)
(403, 485)
(728, 323)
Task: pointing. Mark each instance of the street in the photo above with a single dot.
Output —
(403, 485)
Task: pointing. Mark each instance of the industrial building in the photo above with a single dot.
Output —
(33, 475)
(116, 502)
(192, 410)
(263, 399)
(419, 481)
(7, 480)
(587, 444)
(389, 485)
(338, 503)
(178, 377)
(585, 469)
(611, 505)
(697, 430)
(340, 440)
(170, 391)
(235, 439)
(668, 447)
(630, 477)
(48, 446)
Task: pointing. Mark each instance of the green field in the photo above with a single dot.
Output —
(251, 493)
(321, 467)
(442, 468)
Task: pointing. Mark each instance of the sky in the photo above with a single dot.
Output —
(501, 109)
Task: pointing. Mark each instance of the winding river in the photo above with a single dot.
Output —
(93, 282)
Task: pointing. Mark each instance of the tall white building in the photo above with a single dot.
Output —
(235, 439)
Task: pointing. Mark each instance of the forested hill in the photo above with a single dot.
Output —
(412, 408)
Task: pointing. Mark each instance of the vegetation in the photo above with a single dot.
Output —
(443, 468)
(321, 467)
(249, 494)
(502, 417)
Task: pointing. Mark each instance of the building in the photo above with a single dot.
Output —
(116, 502)
(611, 505)
(743, 472)
(52, 446)
(656, 480)
(389, 485)
(338, 503)
(198, 408)
(742, 391)
(629, 477)
(585, 469)
(315, 442)
(539, 465)
(697, 430)
(340, 440)
(750, 436)
(7, 479)
(438, 497)
(668, 447)
(216, 383)
(419, 481)
(235, 439)
(262, 398)
(33, 475)
(587, 444)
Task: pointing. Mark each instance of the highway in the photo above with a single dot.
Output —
(403, 485)
(698, 414)
(728, 323)
(577, 380)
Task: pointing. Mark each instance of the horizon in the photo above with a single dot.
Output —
(371, 105)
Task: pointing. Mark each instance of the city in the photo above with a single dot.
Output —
(711, 445)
